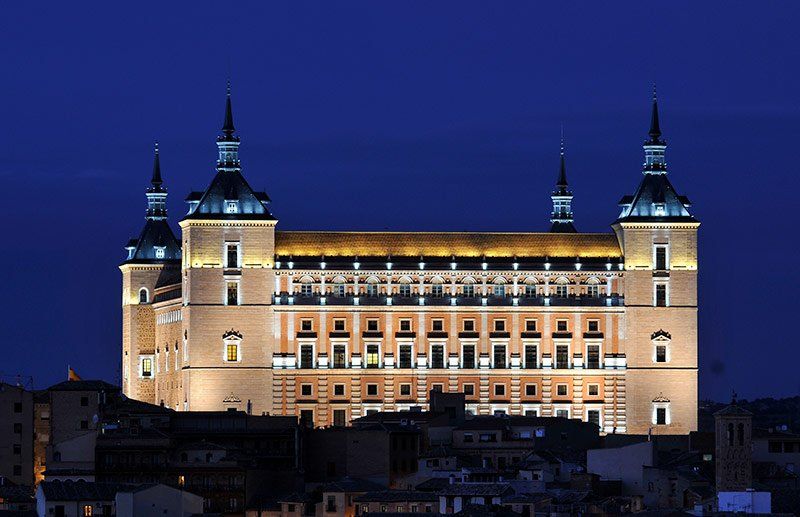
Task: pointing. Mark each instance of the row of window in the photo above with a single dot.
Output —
(438, 325)
(405, 390)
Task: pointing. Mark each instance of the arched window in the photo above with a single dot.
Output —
(562, 287)
(338, 286)
(593, 287)
(740, 434)
(730, 434)
(306, 286)
(437, 289)
(372, 286)
(499, 287)
(530, 287)
(144, 295)
(404, 287)
(468, 287)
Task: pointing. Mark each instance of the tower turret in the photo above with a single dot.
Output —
(655, 146)
(561, 217)
(228, 143)
(156, 194)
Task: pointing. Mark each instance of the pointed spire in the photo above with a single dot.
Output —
(561, 217)
(156, 181)
(655, 128)
(562, 175)
(227, 126)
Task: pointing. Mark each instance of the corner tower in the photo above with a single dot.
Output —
(658, 237)
(153, 260)
(227, 286)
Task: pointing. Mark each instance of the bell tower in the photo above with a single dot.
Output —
(734, 448)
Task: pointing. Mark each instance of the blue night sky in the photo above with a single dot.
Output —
(398, 115)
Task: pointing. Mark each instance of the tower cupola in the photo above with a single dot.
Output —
(227, 142)
(156, 193)
(562, 218)
(655, 146)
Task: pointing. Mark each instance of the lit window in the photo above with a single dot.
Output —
(159, 252)
(338, 287)
(499, 290)
(232, 352)
(87, 510)
(232, 207)
(147, 367)
(373, 356)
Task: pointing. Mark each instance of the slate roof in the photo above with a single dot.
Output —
(655, 190)
(229, 185)
(446, 244)
(156, 232)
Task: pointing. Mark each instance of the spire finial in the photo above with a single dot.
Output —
(156, 181)
(562, 174)
(227, 126)
(655, 128)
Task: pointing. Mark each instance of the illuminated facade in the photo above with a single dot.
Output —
(332, 325)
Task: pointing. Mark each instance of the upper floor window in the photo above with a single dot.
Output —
(661, 295)
(562, 287)
(232, 255)
(405, 325)
(437, 325)
(530, 325)
(231, 207)
(660, 257)
(499, 288)
(144, 295)
(593, 325)
(372, 325)
(499, 325)
(232, 293)
(231, 351)
(338, 325)
(437, 289)
(306, 325)
(469, 325)
(338, 287)
(561, 326)
(593, 288)
(160, 252)
(306, 286)
(372, 287)
(404, 289)
(147, 367)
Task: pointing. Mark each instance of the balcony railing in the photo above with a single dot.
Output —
(614, 300)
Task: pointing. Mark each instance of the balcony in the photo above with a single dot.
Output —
(614, 300)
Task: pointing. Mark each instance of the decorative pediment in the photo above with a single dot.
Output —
(661, 398)
(661, 335)
(231, 399)
(232, 334)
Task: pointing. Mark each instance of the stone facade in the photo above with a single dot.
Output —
(331, 326)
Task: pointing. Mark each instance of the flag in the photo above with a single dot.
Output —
(71, 375)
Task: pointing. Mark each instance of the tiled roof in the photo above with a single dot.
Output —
(390, 496)
(83, 386)
(446, 244)
(79, 490)
(477, 489)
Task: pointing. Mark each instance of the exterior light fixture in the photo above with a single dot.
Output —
(277, 264)
(388, 265)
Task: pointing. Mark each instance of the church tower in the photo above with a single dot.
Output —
(734, 448)
(227, 286)
(562, 219)
(658, 237)
(153, 260)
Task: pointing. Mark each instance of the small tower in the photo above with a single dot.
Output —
(561, 217)
(153, 261)
(734, 448)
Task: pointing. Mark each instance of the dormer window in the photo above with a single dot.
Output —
(160, 250)
(231, 207)
(660, 209)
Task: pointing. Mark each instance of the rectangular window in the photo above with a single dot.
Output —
(499, 356)
(404, 356)
(594, 325)
(232, 293)
(437, 356)
(499, 325)
(530, 325)
(404, 290)
(306, 325)
(499, 290)
(594, 390)
(593, 291)
(405, 390)
(232, 255)
(372, 290)
(372, 390)
(593, 417)
(562, 413)
(561, 390)
(147, 367)
(405, 325)
(338, 325)
(339, 359)
(469, 390)
(468, 438)
(530, 390)
(531, 359)
(307, 418)
(561, 291)
(661, 354)
(661, 295)
(306, 289)
(468, 290)
(468, 356)
(306, 390)
(530, 290)
(339, 417)
(17, 450)
(437, 388)
(437, 325)
(338, 390)
(306, 356)
(660, 253)
(437, 291)
(87, 510)
(562, 326)
(562, 356)
(593, 356)
(469, 325)
(372, 325)
(499, 390)
(372, 356)
(338, 290)
(232, 352)
(661, 416)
